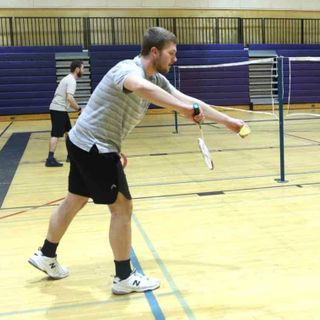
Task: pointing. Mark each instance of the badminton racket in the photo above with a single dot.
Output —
(202, 145)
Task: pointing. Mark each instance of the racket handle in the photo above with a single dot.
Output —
(196, 109)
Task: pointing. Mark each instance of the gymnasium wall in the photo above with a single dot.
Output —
(299, 5)
(161, 8)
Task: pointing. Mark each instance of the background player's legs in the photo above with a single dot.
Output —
(53, 144)
(51, 161)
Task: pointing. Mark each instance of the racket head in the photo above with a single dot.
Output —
(205, 153)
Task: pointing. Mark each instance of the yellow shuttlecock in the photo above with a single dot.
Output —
(244, 131)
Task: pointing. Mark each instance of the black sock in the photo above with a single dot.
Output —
(49, 249)
(123, 269)
(50, 155)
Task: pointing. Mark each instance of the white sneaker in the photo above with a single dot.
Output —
(136, 282)
(48, 265)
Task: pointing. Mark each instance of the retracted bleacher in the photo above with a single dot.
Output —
(104, 57)
(223, 86)
(301, 78)
(218, 85)
(28, 78)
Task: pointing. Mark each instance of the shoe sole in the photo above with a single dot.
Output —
(49, 166)
(44, 271)
(118, 293)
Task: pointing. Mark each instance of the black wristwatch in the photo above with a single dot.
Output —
(196, 109)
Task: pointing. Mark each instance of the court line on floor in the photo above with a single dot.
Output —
(117, 299)
(209, 124)
(187, 310)
(222, 192)
(10, 156)
(205, 193)
(6, 128)
(301, 138)
(221, 150)
(153, 184)
(153, 303)
(30, 208)
(17, 143)
(212, 124)
(161, 154)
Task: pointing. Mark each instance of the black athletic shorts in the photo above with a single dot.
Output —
(60, 123)
(95, 175)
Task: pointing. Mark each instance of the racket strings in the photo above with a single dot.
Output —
(204, 150)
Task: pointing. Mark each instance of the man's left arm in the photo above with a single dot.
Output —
(72, 102)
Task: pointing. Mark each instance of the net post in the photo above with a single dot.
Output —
(176, 122)
(281, 120)
(177, 86)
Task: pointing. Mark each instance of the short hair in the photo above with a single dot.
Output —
(75, 64)
(156, 37)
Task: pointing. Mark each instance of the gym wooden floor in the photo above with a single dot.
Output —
(227, 244)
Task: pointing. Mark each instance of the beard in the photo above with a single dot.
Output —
(80, 74)
(160, 68)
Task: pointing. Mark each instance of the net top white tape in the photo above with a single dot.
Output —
(230, 64)
(314, 59)
(257, 61)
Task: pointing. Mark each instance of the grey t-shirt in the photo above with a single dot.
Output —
(112, 112)
(66, 86)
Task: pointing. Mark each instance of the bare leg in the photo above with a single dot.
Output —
(53, 144)
(120, 227)
(120, 240)
(59, 222)
(63, 215)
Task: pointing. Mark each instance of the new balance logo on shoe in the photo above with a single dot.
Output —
(48, 265)
(113, 186)
(136, 283)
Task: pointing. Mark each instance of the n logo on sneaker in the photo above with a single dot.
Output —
(136, 283)
(52, 265)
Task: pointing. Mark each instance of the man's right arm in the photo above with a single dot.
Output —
(154, 94)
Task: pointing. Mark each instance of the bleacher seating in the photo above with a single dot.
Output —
(225, 86)
(28, 78)
(104, 57)
(305, 76)
(40, 49)
(218, 86)
(28, 74)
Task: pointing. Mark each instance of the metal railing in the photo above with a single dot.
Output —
(45, 31)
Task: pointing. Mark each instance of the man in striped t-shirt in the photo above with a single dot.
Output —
(116, 106)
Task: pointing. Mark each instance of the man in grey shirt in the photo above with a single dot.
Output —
(116, 106)
(62, 100)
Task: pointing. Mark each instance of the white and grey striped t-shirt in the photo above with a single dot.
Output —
(112, 112)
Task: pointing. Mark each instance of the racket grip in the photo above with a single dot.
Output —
(196, 109)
